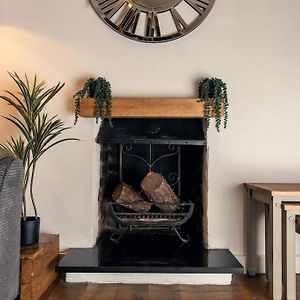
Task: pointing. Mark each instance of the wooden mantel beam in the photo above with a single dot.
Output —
(148, 108)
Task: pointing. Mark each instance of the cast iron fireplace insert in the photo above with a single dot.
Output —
(171, 147)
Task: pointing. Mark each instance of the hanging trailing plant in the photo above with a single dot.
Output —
(213, 92)
(100, 90)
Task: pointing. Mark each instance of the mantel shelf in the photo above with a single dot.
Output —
(148, 108)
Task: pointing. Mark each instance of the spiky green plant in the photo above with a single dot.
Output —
(100, 89)
(38, 130)
(213, 92)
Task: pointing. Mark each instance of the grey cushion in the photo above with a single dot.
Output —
(11, 185)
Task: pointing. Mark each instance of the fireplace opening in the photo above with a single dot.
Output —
(168, 156)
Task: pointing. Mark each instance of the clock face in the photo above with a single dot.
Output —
(153, 20)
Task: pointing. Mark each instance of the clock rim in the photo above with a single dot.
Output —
(157, 39)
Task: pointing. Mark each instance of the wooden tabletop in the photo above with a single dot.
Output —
(276, 189)
(291, 206)
(31, 252)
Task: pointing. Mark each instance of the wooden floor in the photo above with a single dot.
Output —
(242, 288)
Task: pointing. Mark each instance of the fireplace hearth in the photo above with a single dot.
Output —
(169, 234)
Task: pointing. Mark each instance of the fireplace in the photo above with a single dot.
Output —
(172, 242)
(172, 148)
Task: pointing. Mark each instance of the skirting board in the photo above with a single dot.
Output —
(150, 278)
(261, 262)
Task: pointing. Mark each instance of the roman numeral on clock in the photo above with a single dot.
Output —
(130, 20)
(110, 7)
(199, 5)
(178, 20)
(152, 25)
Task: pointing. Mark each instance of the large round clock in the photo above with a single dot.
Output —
(153, 20)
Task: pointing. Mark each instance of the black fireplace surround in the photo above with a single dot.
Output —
(131, 242)
(171, 147)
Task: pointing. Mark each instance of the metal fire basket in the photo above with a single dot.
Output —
(129, 221)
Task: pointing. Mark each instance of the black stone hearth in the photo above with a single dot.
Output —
(140, 253)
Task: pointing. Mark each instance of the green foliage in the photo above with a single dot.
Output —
(100, 89)
(38, 130)
(213, 91)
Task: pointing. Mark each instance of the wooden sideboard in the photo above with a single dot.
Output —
(38, 266)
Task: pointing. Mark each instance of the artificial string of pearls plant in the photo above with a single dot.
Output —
(100, 90)
(213, 92)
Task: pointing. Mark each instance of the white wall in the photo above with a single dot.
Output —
(252, 45)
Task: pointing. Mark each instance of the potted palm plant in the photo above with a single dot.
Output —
(39, 133)
(97, 90)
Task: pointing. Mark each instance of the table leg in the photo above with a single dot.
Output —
(289, 255)
(267, 241)
(276, 272)
(251, 233)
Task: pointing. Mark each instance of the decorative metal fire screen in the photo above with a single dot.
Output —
(135, 161)
(163, 159)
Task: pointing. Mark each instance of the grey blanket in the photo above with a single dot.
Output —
(11, 185)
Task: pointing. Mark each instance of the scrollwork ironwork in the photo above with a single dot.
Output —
(128, 148)
(173, 178)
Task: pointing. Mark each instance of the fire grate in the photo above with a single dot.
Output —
(152, 220)
(135, 162)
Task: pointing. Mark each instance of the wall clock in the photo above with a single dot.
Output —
(153, 20)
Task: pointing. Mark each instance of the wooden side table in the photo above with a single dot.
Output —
(38, 266)
(272, 195)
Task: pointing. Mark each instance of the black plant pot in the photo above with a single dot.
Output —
(30, 231)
